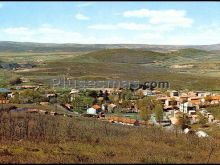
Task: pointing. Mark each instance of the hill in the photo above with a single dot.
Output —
(6, 46)
(130, 56)
(10, 46)
(57, 139)
(202, 71)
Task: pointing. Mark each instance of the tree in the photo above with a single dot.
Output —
(145, 107)
(158, 110)
(93, 94)
(140, 94)
(15, 99)
(179, 123)
(126, 94)
(208, 99)
(62, 98)
(202, 119)
(15, 80)
(30, 96)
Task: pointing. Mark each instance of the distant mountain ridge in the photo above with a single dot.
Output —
(10, 46)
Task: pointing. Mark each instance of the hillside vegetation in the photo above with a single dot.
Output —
(31, 138)
(124, 64)
(10, 46)
(130, 56)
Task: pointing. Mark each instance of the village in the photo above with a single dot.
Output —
(117, 105)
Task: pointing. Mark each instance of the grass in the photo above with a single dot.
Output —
(215, 110)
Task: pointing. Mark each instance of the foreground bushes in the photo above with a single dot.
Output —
(58, 139)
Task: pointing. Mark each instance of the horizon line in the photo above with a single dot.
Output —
(110, 43)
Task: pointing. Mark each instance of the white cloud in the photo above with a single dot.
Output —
(121, 25)
(103, 27)
(18, 31)
(171, 17)
(85, 4)
(81, 17)
(133, 26)
(208, 34)
(39, 34)
(158, 21)
(201, 35)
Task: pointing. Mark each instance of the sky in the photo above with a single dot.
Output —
(93, 22)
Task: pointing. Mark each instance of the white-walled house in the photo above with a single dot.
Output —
(203, 94)
(73, 94)
(148, 93)
(188, 108)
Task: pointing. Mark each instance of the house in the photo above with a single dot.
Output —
(192, 94)
(194, 119)
(187, 108)
(208, 115)
(182, 99)
(4, 91)
(111, 107)
(97, 107)
(210, 118)
(69, 107)
(174, 93)
(4, 101)
(162, 99)
(157, 92)
(214, 102)
(184, 94)
(11, 95)
(122, 120)
(197, 101)
(73, 94)
(169, 113)
(215, 99)
(30, 110)
(91, 111)
(50, 95)
(203, 93)
(4, 94)
(201, 134)
(170, 103)
(25, 87)
(148, 93)
(164, 122)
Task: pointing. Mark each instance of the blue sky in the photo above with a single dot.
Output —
(111, 22)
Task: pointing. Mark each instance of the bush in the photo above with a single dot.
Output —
(15, 80)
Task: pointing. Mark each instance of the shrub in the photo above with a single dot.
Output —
(15, 80)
